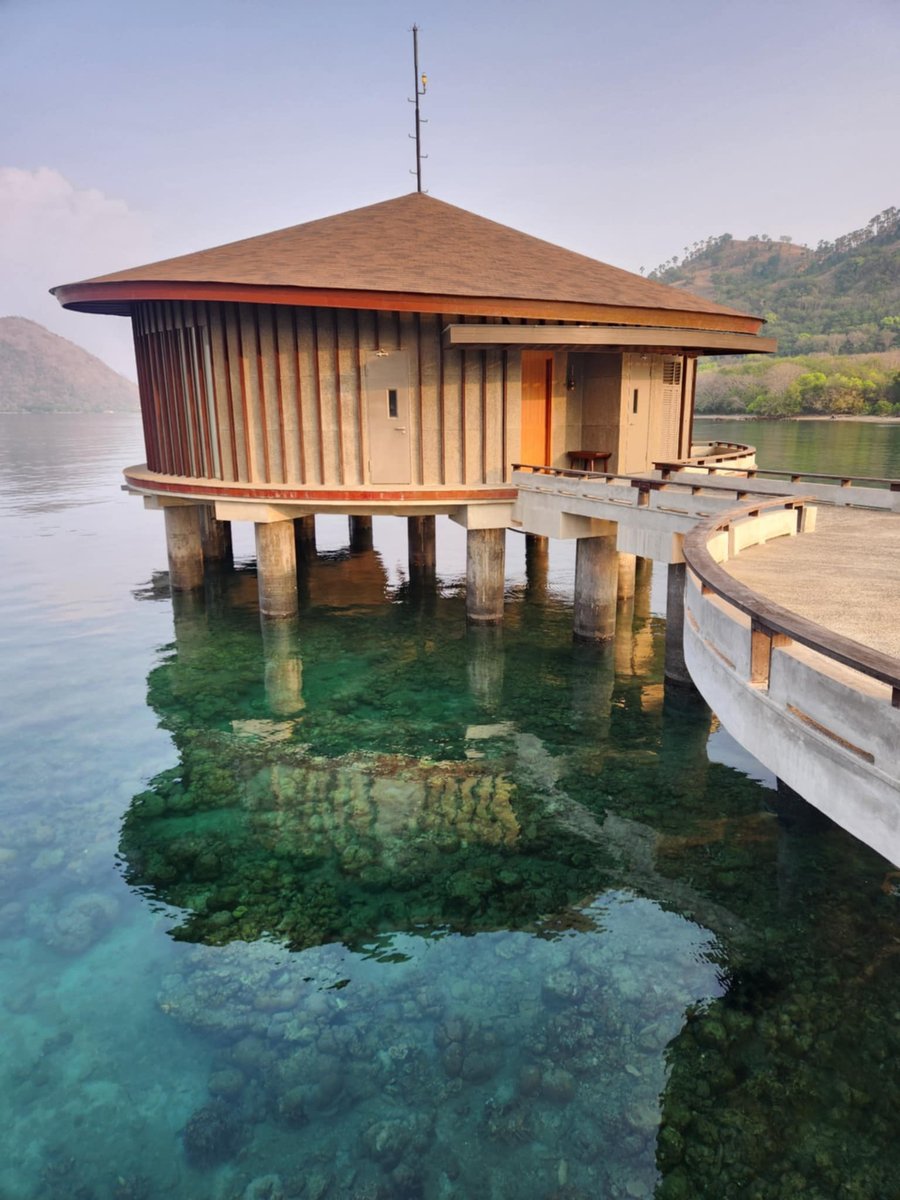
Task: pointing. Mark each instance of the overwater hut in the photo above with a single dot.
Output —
(398, 359)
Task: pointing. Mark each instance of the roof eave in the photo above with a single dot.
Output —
(116, 298)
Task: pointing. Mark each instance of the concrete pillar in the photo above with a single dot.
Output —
(537, 561)
(284, 667)
(485, 666)
(215, 536)
(185, 547)
(624, 640)
(190, 618)
(596, 566)
(675, 669)
(422, 542)
(276, 569)
(627, 574)
(305, 537)
(360, 533)
(643, 579)
(485, 574)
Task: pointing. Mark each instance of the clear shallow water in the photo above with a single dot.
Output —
(379, 907)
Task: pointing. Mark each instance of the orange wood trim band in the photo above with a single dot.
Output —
(116, 294)
(351, 495)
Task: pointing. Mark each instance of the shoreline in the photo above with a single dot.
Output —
(868, 419)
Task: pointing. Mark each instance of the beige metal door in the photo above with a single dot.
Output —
(636, 400)
(387, 412)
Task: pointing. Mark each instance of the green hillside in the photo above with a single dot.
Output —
(843, 297)
(42, 372)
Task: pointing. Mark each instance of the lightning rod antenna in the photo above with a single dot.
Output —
(421, 84)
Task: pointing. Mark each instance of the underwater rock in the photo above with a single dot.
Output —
(292, 1109)
(558, 1085)
(265, 1187)
(529, 1081)
(81, 922)
(227, 1082)
(669, 1148)
(211, 1136)
(561, 987)
(387, 1141)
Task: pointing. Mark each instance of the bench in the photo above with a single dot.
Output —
(586, 460)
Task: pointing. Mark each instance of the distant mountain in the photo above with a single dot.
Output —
(42, 372)
(841, 298)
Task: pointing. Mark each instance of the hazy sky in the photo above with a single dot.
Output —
(627, 131)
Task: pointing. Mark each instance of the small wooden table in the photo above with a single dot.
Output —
(585, 460)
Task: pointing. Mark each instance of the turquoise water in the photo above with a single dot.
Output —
(375, 906)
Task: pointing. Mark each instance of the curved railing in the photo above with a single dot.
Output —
(712, 455)
(819, 709)
(715, 540)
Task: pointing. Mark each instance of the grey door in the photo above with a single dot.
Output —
(387, 412)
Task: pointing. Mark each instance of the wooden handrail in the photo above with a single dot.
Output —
(892, 485)
(766, 615)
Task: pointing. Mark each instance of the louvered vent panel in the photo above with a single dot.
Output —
(672, 372)
(671, 400)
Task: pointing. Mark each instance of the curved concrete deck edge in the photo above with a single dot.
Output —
(827, 730)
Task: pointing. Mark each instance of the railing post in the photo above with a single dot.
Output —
(762, 642)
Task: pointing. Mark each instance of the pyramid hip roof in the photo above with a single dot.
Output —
(414, 252)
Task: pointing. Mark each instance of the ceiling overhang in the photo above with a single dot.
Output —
(604, 337)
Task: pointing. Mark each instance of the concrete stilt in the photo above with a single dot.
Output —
(185, 547)
(595, 588)
(215, 537)
(422, 541)
(360, 533)
(276, 569)
(675, 669)
(284, 667)
(643, 579)
(537, 559)
(624, 640)
(626, 578)
(305, 536)
(485, 666)
(485, 575)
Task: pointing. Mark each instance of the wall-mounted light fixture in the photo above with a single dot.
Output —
(570, 375)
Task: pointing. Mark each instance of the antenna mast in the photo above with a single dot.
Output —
(421, 84)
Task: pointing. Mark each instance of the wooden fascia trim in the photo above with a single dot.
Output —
(111, 297)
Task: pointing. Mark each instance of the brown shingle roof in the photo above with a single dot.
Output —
(419, 245)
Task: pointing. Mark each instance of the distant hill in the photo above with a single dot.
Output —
(42, 372)
(841, 298)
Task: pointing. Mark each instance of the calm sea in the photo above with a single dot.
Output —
(376, 906)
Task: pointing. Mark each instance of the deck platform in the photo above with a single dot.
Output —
(845, 576)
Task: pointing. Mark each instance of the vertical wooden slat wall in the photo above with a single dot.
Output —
(271, 394)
